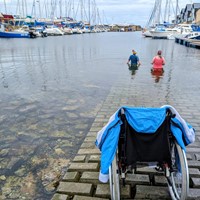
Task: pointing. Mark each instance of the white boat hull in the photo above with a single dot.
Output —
(147, 34)
(160, 34)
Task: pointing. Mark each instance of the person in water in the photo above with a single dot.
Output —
(134, 59)
(158, 62)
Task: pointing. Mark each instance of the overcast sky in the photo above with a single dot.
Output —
(110, 11)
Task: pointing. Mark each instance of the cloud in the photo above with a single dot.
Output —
(128, 11)
(112, 11)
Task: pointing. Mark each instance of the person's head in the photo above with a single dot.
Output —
(133, 51)
(159, 52)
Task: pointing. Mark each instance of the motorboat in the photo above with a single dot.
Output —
(182, 30)
(85, 30)
(192, 33)
(76, 30)
(195, 33)
(162, 32)
(6, 33)
(53, 30)
(67, 30)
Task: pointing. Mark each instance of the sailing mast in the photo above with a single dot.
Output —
(24, 8)
(53, 9)
(176, 12)
(152, 15)
(40, 14)
(159, 11)
(33, 12)
(25, 4)
(89, 12)
(166, 9)
(5, 6)
(60, 4)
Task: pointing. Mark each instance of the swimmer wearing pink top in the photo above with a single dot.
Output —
(158, 61)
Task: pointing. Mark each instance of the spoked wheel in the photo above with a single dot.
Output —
(178, 182)
(114, 179)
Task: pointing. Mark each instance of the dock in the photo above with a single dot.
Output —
(188, 42)
(81, 179)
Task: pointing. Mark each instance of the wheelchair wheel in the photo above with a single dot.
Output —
(114, 180)
(178, 182)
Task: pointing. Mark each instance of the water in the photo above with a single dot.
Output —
(52, 88)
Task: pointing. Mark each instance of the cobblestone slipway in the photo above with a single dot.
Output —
(81, 180)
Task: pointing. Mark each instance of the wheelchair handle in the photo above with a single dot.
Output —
(122, 111)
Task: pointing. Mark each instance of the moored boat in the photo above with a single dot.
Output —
(53, 30)
(146, 33)
(195, 33)
(160, 32)
(4, 33)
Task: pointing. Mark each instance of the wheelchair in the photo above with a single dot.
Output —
(161, 147)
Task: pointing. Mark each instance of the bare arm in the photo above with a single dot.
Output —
(163, 60)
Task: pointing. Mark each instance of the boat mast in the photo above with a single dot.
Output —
(60, 3)
(20, 8)
(81, 5)
(33, 10)
(17, 7)
(5, 6)
(25, 4)
(176, 12)
(152, 16)
(39, 8)
(23, 8)
(53, 9)
(166, 9)
(89, 12)
(45, 9)
(73, 9)
(159, 11)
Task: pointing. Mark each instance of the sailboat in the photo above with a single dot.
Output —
(161, 30)
(151, 22)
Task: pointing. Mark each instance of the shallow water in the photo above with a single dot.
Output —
(52, 88)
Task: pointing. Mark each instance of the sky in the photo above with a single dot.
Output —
(135, 12)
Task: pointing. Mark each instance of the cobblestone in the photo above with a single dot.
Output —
(103, 190)
(76, 197)
(151, 192)
(71, 176)
(60, 197)
(72, 188)
(81, 167)
(89, 151)
(90, 177)
(79, 159)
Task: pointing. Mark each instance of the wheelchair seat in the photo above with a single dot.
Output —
(145, 147)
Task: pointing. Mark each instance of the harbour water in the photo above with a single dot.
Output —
(52, 88)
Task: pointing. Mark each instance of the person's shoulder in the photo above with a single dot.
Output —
(154, 57)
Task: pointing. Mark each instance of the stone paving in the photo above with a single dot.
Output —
(81, 180)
